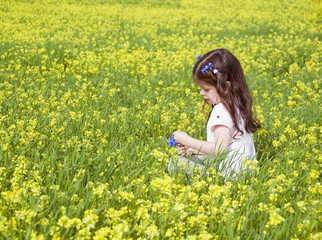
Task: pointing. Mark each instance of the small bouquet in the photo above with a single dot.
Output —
(172, 142)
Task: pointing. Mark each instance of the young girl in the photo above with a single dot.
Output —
(230, 123)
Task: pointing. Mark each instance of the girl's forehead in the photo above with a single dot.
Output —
(204, 84)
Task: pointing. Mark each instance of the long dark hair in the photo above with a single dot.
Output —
(234, 96)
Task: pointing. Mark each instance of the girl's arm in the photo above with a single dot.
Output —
(222, 136)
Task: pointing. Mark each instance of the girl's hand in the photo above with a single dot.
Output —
(181, 137)
(182, 151)
(191, 151)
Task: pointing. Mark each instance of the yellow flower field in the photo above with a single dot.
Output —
(90, 91)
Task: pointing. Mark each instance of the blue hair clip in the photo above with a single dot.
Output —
(207, 67)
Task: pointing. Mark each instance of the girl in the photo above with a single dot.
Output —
(230, 123)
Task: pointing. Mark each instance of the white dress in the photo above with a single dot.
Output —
(242, 145)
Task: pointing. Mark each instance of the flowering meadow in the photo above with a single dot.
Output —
(91, 90)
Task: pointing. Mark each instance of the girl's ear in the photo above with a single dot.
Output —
(228, 83)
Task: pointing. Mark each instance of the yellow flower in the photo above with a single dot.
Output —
(152, 231)
(275, 219)
(276, 143)
(204, 235)
(90, 219)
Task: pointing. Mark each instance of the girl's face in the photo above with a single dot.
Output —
(209, 93)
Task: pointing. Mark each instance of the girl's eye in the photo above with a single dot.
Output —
(205, 90)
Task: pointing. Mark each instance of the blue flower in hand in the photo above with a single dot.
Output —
(172, 142)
